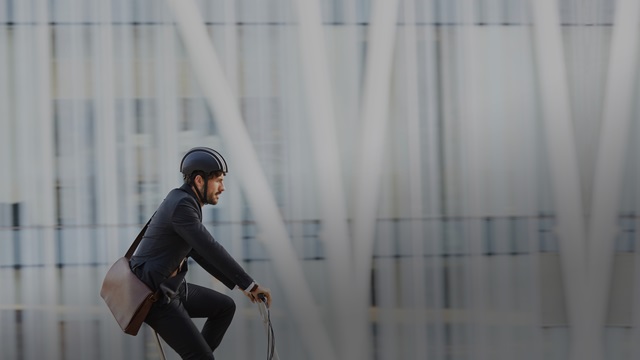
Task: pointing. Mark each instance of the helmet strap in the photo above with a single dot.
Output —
(202, 197)
(204, 201)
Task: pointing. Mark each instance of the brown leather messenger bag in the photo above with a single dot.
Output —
(128, 298)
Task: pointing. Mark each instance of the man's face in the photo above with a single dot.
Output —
(215, 187)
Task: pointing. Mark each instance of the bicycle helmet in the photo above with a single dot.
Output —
(202, 159)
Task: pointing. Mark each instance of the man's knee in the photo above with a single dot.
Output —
(230, 305)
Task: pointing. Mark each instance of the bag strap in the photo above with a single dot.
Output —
(136, 242)
(132, 249)
(156, 295)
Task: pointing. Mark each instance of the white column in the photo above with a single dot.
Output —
(79, 176)
(105, 129)
(619, 101)
(107, 177)
(387, 330)
(556, 113)
(432, 182)
(347, 50)
(374, 122)
(418, 292)
(8, 329)
(272, 231)
(234, 199)
(375, 107)
(35, 171)
(7, 122)
(44, 124)
(123, 82)
(167, 106)
(635, 333)
(349, 335)
(474, 148)
(146, 167)
(46, 206)
(26, 170)
(25, 92)
(532, 296)
(127, 161)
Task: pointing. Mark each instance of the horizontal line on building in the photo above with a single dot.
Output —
(277, 23)
(308, 258)
(309, 221)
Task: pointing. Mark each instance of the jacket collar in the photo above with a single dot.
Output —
(187, 188)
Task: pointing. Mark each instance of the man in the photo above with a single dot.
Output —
(175, 233)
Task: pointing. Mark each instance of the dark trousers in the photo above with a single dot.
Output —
(173, 322)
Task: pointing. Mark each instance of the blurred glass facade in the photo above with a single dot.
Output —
(98, 103)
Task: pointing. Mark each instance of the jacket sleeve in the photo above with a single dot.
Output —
(211, 269)
(212, 256)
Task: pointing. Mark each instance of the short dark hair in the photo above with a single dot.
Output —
(191, 178)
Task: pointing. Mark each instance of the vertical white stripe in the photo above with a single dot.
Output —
(349, 335)
(125, 152)
(532, 295)
(473, 153)
(44, 129)
(386, 341)
(477, 282)
(433, 206)
(416, 212)
(612, 150)
(146, 118)
(300, 175)
(83, 180)
(556, 112)
(24, 84)
(234, 197)
(106, 170)
(348, 89)
(30, 247)
(6, 122)
(610, 163)
(374, 123)
(501, 274)
(128, 80)
(635, 336)
(46, 177)
(532, 180)
(7, 324)
(122, 83)
(23, 59)
(167, 106)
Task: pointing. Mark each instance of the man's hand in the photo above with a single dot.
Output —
(254, 295)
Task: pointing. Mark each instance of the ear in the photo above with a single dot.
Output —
(198, 180)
